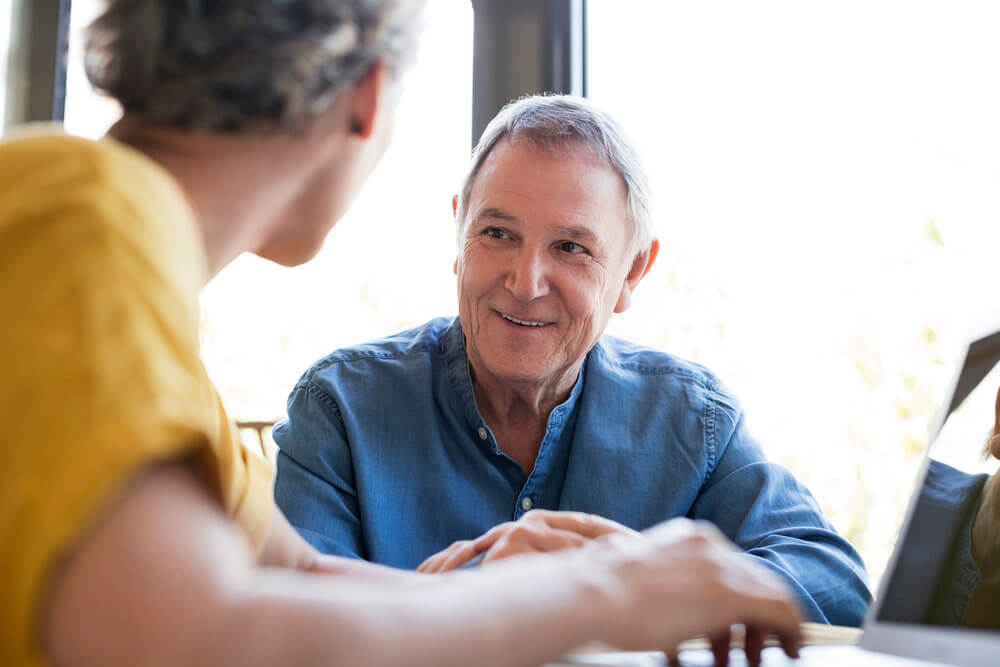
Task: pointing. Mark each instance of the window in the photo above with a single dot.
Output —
(6, 18)
(827, 186)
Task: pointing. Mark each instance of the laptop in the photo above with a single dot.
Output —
(917, 616)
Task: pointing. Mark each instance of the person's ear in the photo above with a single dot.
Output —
(454, 266)
(371, 93)
(454, 205)
(641, 265)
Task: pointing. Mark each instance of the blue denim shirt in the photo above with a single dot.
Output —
(385, 456)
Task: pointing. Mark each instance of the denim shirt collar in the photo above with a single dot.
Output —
(460, 381)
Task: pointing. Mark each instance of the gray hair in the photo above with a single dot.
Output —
(243, 65)
(554, 121)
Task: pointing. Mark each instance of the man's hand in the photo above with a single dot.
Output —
(686, 579)
(538, 531)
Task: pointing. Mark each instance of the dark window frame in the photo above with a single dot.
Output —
(522, 47)
(36, 63)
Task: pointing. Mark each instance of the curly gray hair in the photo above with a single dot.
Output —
(552, 121)
(243, 65)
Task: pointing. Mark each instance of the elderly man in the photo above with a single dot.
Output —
(395, 449)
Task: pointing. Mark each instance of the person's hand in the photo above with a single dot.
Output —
(538, 531)
(685, 579)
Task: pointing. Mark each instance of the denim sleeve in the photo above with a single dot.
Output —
(761, 507)
(315, 485)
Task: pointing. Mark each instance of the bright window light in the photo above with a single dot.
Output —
(827, 184)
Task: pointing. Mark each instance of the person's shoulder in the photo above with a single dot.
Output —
(38, 159)
(656, 372)
(631, 359)
(40, 156)
(99, 202)
(42, 141)
(39, 164)
(412, 345)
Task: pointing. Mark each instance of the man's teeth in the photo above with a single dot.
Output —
(523, 323)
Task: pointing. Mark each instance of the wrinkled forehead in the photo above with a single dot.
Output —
(565, 170)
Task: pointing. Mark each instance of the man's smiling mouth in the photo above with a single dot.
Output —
(523, 323)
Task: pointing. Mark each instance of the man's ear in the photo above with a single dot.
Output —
(370, 93)
(641, 265)
(454, 206)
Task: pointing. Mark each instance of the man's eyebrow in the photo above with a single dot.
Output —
(497, 214)
(577, 233)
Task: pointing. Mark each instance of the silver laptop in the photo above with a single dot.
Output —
(920, 614)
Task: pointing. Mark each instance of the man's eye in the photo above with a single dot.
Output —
(495, 232)
(571, 247)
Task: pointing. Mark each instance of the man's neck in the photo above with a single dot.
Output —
(518, 414)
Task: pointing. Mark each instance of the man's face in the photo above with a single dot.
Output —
(543, 261)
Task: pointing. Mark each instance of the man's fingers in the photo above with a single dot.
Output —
(489, 538)
(459, 556)
(538, 530)
(556, 539)
(720, 648)
(791, 645)
(427, 567)
(524, 540)
(778, 617)
(438, 562)
(753, 644)
(587, 525)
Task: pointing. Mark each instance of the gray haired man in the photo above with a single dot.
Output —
(481, 432)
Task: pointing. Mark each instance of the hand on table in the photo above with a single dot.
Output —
(538, 531)
(685, 579)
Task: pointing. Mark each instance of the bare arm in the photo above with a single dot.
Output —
(166, 579)
(285, 548)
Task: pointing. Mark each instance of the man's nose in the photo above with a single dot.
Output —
(527, 279)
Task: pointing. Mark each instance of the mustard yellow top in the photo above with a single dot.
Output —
(100, 376)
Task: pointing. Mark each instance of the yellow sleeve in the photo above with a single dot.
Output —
(101, 378)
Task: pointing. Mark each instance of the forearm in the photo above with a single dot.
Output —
(519, 612)
(166, 579)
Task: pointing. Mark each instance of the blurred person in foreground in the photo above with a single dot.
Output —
(481, 431)
(135, 528)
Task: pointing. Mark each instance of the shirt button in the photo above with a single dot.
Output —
(526, 503)
(482, 433)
